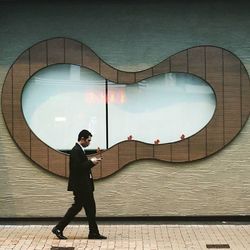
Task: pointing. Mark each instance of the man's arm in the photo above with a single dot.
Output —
(80, 162)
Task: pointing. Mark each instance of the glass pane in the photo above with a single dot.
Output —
(164, 107)
(61, 100)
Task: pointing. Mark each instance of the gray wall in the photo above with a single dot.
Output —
(129, 37)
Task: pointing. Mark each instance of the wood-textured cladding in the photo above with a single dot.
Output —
(218, 67)
(214, 76)
(38, 57)
(7, 101)
(232, 96)
(73, 51)
(90, 59)
(56, 51)
(21, 73)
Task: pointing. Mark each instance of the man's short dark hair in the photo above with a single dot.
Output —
(85, 134)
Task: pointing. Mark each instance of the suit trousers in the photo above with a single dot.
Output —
(81, 200)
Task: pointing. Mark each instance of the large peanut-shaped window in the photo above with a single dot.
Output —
(222, 71)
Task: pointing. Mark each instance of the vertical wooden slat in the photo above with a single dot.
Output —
(96, 170)
(7, 101)
(56, 50)
(108, 72)
(178, 62)
(90, 59)
(67, 166)
(38, 57)
(232, 96)
(162, 152)
(126, 152)
(197, 146)
(21, 132)
(196, 61)
(162, 67)
(144, 151)
(180, 151)
(110, 163)
(196, 66)
(139, 76)
(57, 162)
(73, 52)
(126, 77)
(214, 75)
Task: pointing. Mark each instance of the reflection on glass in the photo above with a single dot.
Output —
(168, 108)
(62, 99)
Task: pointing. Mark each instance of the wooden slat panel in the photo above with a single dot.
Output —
(214, 75)
(144, 150)
(39, 151)
(57, 162)
(143, 74)
(162, 67)
(96, 170)
(73, 52)
(126, 152)
(67, 166)
(178, 62)
(162, 152)
(38, 57)
(56, 51)
(215, 136)
(180, 151)
(7, 108)
(196, 66)
(108, 72)
(245, 93)
(21, 132)
(126, 77)
(90, 59)
(110, 162)
(196, 61)
(197, 146)
(232, 96)
(232, 108)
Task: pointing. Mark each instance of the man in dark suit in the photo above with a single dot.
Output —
(82, 185)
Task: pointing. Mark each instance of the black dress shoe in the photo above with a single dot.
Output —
(58, 233)
(96, 236)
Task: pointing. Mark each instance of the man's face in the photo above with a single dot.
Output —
(85, 142)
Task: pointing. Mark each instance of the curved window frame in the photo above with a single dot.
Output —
(220, 68)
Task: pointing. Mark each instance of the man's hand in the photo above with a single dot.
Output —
(95, 160)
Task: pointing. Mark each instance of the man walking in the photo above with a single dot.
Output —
(82, 185)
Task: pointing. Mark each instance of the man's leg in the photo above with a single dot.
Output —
(90, 211)
(72, 211)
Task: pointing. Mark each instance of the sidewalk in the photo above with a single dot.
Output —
(128, 236)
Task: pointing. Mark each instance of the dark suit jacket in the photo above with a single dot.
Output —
(80, 171)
